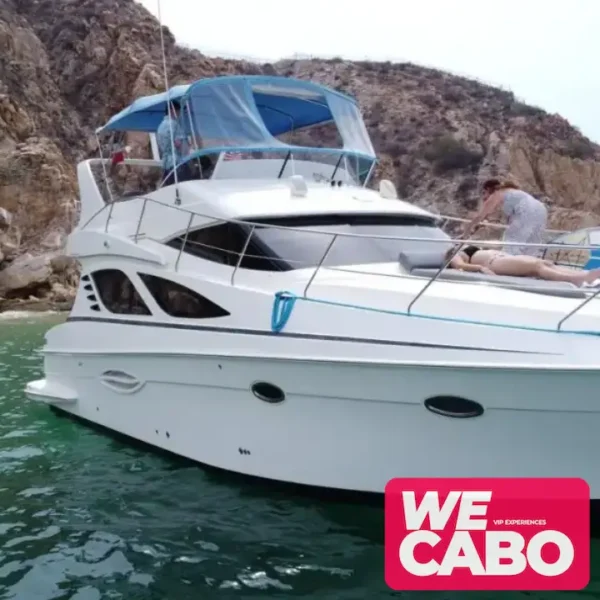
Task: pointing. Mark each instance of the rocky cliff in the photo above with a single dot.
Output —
(67, 65)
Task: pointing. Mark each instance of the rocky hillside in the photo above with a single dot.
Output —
(67, 65)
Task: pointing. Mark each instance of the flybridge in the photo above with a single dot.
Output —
(250, 113)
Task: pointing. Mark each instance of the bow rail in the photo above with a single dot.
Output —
(589, 294)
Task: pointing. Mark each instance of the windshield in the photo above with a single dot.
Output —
(242, 113)
(299, 249)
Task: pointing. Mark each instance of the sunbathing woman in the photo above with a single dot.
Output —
(494, 262)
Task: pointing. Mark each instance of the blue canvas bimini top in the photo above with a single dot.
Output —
(236, 112)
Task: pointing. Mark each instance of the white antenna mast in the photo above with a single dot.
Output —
(169, 107)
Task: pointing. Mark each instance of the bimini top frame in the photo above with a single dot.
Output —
(237, 113)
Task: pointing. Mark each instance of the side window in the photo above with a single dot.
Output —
(224, 244)
(178, 301)
(118, 294)
(220, 243)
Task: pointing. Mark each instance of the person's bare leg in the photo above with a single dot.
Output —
(575, 276)
(529, 266)
(563, 268)
(592, 275)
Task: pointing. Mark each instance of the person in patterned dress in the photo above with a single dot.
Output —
(527, 217)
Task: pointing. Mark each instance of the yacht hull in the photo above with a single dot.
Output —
(351, 426)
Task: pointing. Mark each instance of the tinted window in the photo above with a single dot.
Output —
(301, 248)
(219, 243)
(224, 243)
(272, 249)
(179, 301)
(118, 294)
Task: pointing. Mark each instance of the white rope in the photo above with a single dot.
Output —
(164, 61)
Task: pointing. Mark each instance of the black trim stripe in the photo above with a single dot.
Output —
(305, 336)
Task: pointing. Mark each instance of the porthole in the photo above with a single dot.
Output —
(267, 392)
(454, 406)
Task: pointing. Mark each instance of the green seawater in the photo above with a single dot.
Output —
(86, 517)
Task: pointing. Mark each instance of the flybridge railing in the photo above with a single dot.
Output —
(588, 294)
(110, 176)
(118, 181)
(500, 227)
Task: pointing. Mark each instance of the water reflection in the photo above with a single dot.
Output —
(83, 516)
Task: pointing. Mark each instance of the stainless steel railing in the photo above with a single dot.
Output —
(446, 219)
(593, 294)
(153, 164)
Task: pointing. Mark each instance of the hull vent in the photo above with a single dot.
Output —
(121, 382)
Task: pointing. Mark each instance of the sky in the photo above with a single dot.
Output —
(545, 51)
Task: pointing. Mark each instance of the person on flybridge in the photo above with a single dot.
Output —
(165, 147)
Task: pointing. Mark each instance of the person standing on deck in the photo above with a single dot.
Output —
(179, 144)
(527, 217)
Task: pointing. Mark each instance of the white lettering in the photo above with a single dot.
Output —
(499, 545)
(565, 549)
(468, 510)
(407, 553)
(430, 505)
(523, 522)
(494, 553)
(506, 552)
(461, 542)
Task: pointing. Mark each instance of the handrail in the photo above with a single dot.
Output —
(460, 243)
(139, 223)
(484, 224)
(185, 238)
(577, 308)
(446, 218)
(242, 254)
(354, 271)
(434, 278)
(112, 204)
(139, 162)
(325, 254)
(246, 223)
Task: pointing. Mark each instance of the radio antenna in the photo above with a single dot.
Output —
(169, 106)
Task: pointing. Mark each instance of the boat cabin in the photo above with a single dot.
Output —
(276, 168)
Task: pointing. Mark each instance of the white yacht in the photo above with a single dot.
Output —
(273, 316)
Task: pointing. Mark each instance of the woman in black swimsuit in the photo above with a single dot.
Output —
(462, 260)
(490, 262)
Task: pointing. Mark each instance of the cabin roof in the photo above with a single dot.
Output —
(248, 199)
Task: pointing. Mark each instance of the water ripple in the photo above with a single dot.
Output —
(83, 517)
